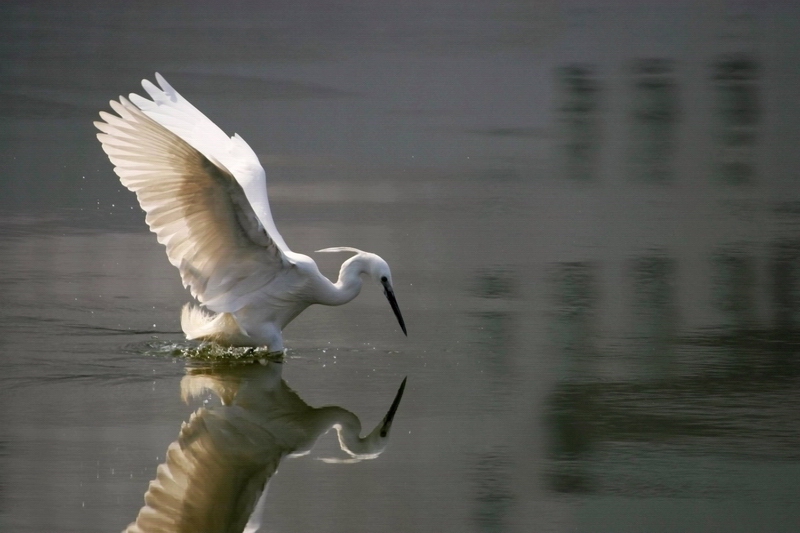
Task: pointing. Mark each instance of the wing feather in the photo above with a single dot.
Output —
(179, 116)
(197, 210)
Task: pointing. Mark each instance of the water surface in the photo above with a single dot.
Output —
(591, 214)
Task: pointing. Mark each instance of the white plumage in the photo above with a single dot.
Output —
(205, 195)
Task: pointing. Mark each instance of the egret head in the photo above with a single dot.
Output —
(375, 267)
(379, 271)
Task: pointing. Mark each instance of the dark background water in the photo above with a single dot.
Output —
(591, 211)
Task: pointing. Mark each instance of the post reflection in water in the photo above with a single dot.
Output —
(216, 473)
(679, 412)
(653, 119)
(579, 120)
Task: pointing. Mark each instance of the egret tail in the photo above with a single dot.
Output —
(221, 328)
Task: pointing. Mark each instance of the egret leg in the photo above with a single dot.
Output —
(273, 338)
(262, 333)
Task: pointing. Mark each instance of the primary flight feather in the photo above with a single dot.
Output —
(205, 196)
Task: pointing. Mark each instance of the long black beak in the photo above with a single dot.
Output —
(387, 290)
(387, 420)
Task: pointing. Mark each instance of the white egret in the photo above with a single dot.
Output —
(205, 195)
(215, 475)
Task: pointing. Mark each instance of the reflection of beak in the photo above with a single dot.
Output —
(389, 292)
(387, 420)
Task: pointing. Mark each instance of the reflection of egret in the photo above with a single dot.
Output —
(205, 195)
(225, 455)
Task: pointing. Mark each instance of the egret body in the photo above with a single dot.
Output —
(205, 196)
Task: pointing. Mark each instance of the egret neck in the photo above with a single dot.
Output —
(349, 283)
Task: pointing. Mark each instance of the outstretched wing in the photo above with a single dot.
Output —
(196, 208)
(175, 113)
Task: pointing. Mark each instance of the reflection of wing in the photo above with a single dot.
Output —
(213, 475)
(195, 207)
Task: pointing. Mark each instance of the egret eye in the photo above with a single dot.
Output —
(384, 279)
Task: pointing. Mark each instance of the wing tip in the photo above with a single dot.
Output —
(165, 91)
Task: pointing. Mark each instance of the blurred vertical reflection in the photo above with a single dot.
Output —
(786, 285)
(492, 492)
(574, 325)
(579, 118)
(735, 288)
(495, 283)
(654, 119)
(737, 111)
(572, 438)
(3, 457)
(495, 325)
(654, 310)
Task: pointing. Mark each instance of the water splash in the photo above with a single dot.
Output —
(204, 352)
